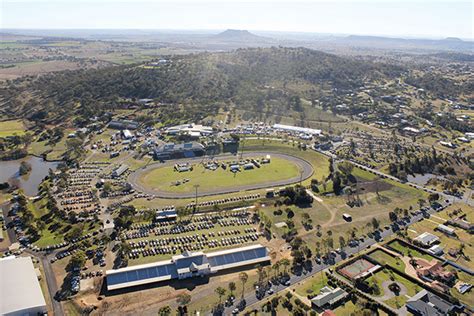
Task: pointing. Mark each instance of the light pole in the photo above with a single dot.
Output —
(242, 149)
(301, 176)
(196, 186)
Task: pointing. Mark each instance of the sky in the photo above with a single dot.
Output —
(415, 18)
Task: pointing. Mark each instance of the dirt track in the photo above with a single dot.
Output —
(301, 163)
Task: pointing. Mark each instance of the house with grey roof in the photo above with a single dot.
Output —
(425, 303)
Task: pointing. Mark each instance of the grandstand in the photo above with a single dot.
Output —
(186, 265)
(177, 151)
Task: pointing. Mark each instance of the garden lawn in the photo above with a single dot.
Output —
(405, 250)
(312, 285)
(384, 258)
(397, 301)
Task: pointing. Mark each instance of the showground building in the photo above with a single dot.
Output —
(186, 265)
(20, 289)
(177, 151)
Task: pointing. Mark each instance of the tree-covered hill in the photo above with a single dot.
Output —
(240, 78)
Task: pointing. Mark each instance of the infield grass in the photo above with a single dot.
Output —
(165, 178)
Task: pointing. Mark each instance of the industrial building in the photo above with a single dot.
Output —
(297, 129)
(123, 124)
(166, 214)
(20, 289)
(177, 151)
(192, 130)
(119, 171)
(186, 265)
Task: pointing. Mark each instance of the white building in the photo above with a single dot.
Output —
(445, 229)
(427, 239)
(297, 129)
(329, 296)
(436, 250)
(19, 288)
(127, 134)
(192, 130)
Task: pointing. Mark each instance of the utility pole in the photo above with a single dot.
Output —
(196, 186)
(242, 149)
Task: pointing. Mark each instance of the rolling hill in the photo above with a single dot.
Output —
(239, 78)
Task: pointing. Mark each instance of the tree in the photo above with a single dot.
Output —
(285, 263)
(164, 311)
(25, 168)
(393, 216)
(232, 287)
(77, 261)
(342, 242)
(221, 292)
(183, 299)
(243, 277)
(375, 223)
(421, 203)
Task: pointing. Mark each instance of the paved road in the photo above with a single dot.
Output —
(251, 298)
(10, 231)
(305, 167)
(52, 285)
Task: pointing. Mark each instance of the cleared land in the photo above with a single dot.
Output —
(10, 128)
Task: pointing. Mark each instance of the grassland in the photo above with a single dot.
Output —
(10, 128)
(384, 258)
(53, 152)
(312, 285)
(319, 162)
(406, 251)
(54, 231)
(164, 178)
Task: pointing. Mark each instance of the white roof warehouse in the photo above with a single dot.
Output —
(297, 129)
(19, 287)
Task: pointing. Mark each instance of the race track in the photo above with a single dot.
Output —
(303, 165)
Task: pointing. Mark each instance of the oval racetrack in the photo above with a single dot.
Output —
(303, 165)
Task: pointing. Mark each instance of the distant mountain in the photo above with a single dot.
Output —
(239, 36)
(450, 43)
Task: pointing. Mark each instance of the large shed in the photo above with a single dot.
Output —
(19, 287)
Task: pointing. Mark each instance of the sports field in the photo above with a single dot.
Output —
(281, 170)
(10, 128)
(356, 269)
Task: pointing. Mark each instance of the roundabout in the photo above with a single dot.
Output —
(220, 175)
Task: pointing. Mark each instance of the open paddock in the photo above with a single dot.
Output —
(10, 128)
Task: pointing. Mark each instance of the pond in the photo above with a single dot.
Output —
(29, 183)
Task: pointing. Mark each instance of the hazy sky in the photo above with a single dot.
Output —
(429, 18)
